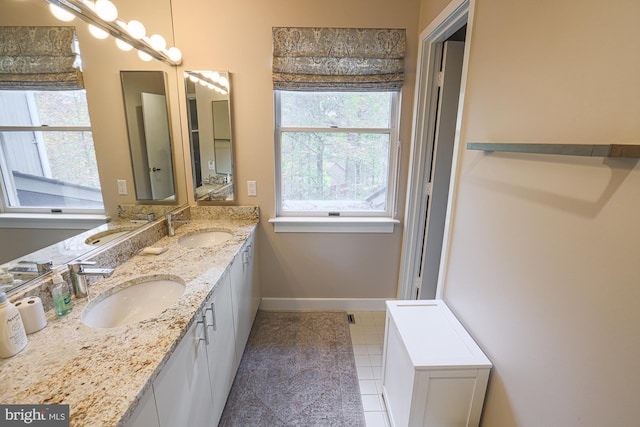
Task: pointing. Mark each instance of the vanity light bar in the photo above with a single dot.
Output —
(207, 80)
(118, 29)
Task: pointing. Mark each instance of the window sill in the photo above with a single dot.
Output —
(52, 221)
(333, 224)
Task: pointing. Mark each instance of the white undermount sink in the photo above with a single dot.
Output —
(133, 301)
(204, 239)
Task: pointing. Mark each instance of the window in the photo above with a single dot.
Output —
(47, 158)
(336, 153)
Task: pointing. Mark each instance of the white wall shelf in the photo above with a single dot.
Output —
(589, 150)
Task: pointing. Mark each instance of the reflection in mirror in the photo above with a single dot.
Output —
(208, 96)
(21, 270)
(131, 218)
(146, 107)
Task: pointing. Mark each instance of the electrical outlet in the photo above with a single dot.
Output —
(122, 186)
(252, 189)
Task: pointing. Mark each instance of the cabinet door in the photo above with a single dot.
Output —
(254, 279)
(182, 389)
(221, 351)
(242, 295)
(145, 414)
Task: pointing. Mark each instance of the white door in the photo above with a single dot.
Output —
(158, 143)
(439, 172)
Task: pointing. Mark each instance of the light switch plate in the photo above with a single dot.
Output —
(252, 188)
(122, 186)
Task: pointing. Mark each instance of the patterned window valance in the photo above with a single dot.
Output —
(38, 58)
(348, 59)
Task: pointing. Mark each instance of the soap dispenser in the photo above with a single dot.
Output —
(6, 278)
(13, 337)
(61, 294)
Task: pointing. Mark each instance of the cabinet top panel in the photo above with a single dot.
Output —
(433, 337)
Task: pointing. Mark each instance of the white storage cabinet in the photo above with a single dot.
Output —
(433, 373)
(192, 388)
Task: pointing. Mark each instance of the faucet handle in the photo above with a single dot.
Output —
(148, 216)
(81, 262)
(76, 265)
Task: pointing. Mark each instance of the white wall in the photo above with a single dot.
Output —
(543, 263)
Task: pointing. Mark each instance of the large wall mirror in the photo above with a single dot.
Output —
(210, 135)
(146, 110)
(102, 61)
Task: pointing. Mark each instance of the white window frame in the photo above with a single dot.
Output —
(6, 194)
(346, 222)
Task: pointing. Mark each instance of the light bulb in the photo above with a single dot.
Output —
(136, 29)
(124, 46)
(202, 82)
(98, 32)
(174, 54)
(193, 78)
(157, 42)
(106, 10)
(224, 82)
(60, 13)
(215, 76)
(144, 56)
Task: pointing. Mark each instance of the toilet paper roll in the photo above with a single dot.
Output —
(32, 314)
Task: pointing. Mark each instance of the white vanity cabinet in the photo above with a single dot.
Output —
(145, 414)
(245, 294)
(192, 388)
(221, 353)
(433, 373)
(182, 389)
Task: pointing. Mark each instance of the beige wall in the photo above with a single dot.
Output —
(429, 10)
(237, 36)
(543, 263)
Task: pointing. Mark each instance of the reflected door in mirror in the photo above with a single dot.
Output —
(149, 132)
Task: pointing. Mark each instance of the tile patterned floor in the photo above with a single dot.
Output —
(367, 337)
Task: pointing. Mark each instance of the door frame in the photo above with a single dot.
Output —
(452, 18)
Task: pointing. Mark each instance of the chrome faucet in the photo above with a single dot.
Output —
(149, 217)
(41, 266)
(78, 275)
(171, 221)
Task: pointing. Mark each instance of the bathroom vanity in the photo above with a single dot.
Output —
(172, 369)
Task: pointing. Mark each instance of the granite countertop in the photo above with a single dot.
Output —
(102, 373)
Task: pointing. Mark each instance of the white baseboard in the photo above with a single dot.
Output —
(330, 304)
